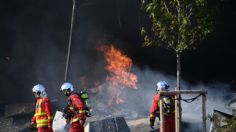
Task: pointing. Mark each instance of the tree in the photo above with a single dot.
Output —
(177, 25)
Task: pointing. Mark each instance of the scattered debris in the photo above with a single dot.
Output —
(218, 119)
(19, 109)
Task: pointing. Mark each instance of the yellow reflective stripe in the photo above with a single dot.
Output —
(42, 121)
(41, 125)
(40, 102)
(152, 115)
(82, 111)
(39, 109)
(39, 114)
(50, 117)
(76, 119)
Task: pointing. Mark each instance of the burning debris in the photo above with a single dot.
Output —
(120, 75)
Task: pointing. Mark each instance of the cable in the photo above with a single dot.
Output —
(189, 100)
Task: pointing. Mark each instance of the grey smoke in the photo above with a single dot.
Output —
(219, 94)
(137, 102)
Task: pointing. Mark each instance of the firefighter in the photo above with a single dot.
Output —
(42, 119)
(75, 112)
(168, 105)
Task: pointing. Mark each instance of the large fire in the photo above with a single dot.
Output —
(119, 69)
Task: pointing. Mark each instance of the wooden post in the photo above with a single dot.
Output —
(183, 92)
(162, 117)
(179, 92)
(203, 113)
(177, 113)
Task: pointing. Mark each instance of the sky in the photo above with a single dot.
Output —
(34, 38)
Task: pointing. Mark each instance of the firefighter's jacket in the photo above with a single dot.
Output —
(155, 105)
(77, 108)
(43, 113)
(169, 122)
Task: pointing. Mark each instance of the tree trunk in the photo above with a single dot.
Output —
(177, 102)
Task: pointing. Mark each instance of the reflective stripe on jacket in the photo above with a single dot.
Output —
(43, 113)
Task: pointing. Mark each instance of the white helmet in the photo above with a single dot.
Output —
(162, 85)
(66, 86)
(38, 88)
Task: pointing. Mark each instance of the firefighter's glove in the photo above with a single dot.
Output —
(88, 114)
(151, 123)
(81, 122)
(67, 121)
(50, 126)
(152, 120)
(32, 127)
(67, 113)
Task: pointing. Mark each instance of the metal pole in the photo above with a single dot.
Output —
(69, 45)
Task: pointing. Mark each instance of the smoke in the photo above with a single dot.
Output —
(137, 102)
(36, 45)
(215, 100)
(219, 94)
(31, 43)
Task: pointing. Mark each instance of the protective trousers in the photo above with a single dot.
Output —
(169, 123)
(45, 129)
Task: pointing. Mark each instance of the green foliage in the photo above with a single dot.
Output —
(177, 24)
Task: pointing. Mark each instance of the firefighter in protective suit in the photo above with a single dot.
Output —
(75, 113)
(42, 119)
(169, 108)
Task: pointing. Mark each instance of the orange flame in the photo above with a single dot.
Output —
(119, 67)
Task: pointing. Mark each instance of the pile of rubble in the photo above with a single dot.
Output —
(16, 117)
